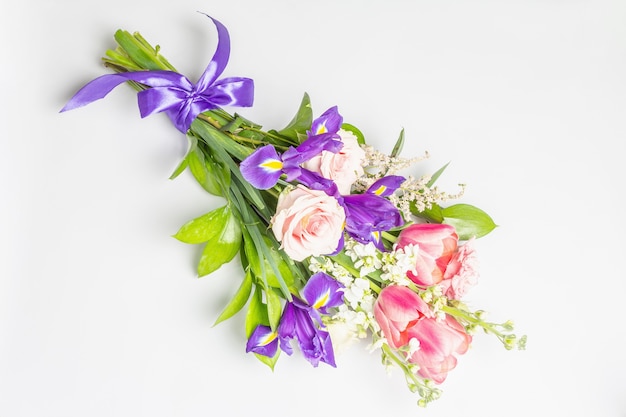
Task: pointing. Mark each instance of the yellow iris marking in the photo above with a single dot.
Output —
(380, 190)
(321, 129)
(274, 165)
(321, 301)
(269, 338)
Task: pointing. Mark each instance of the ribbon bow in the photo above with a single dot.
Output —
(173, 93)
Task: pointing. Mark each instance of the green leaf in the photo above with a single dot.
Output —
(257, 312)
(397, 148)
(141, 52)
(360, 138)
(204, 228)
(274, 308)
(254, 257)
(301, 122)
(222, 247)
(469, 221)
(271, 362)
(238, 301)
(180, 168)
(436, 175)
(210, 174)
(433, 214)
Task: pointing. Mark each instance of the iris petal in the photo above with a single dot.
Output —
(263, 341)
(322, 292)
(262, 168)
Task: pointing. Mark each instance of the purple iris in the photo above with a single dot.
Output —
(173, 93)
(369, 214)
(302, 321)
(265, 166)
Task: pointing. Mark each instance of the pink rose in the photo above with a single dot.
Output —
(437, 243)
(343, 167)
(308, 223)
(397, 308)
(402, 315)
(461, 273)
(439, 343)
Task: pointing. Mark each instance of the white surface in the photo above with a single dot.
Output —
(100, 310)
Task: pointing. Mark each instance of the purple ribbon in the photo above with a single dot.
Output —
(173, 93)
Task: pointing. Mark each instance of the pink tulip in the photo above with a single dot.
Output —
(402, 315)
(439, 343)
(437, 244)
(396, 310)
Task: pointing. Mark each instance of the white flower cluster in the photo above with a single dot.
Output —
(414, 193)
(396, 263)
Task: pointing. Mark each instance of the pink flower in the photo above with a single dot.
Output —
(439, 343)
(343, 167)
(396, 310)
(402, 315)
(437, 243)
(461, 273)
(308, 223)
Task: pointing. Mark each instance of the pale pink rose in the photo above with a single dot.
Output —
(396, 310)
(343, 167)
(440, 341)
(308, 223)
(437, 243)
(461, 273)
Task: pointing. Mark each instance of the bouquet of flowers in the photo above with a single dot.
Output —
(334, 244)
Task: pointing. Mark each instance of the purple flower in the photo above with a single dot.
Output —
(322, 292)
(369, 214)
(265, 166)
(301, 321)
(263, 341)
(314, 342)
(329, 122)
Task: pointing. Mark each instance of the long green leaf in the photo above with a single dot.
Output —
(436, 175)
(397, 148)
(257, 312)
(274, 308)
(301, 122)
(238, 301)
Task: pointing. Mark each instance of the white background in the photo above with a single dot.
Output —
(101, 313)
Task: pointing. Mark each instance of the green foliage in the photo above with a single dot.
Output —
(360, 138)
(238, 301)
(141, 52)
(397, 148)
(204, 228)
(301, 122)
(257, 312)
(469, 221)
(436, 175)
(213, 176)
(220, 230)
(260, 269)
(222, 247)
